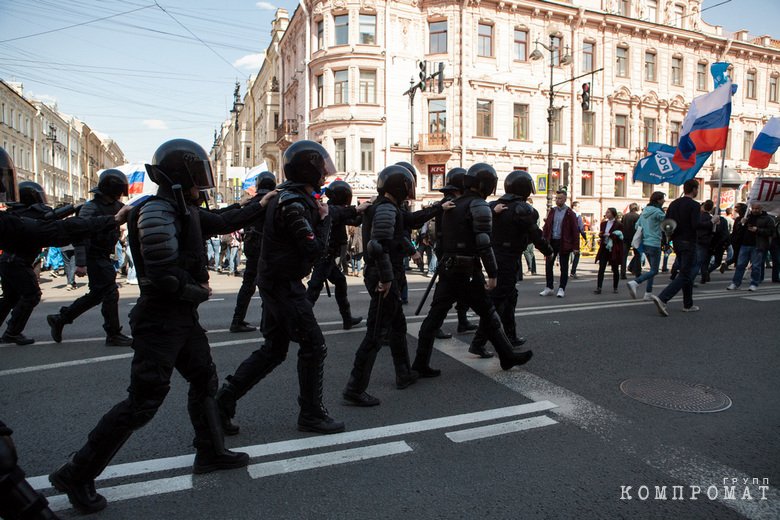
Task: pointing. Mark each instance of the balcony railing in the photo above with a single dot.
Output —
(434, 142)
(289, 127)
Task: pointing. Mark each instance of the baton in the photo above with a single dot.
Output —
(427, 291)
(327, 287)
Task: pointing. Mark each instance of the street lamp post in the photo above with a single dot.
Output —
(52, 137)
(565, 60)
(237, 106)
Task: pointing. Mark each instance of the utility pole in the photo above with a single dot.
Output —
(52, 136)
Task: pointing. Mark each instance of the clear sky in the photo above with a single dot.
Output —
(159, 70)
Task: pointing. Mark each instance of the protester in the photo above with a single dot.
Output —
(562, 232)
(610, 249)
(650, 224)
(758, 229)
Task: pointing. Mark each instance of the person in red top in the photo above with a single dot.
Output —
(563, 233)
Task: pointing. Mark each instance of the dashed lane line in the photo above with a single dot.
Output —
(308, 443)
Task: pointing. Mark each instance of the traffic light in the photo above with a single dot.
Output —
(440, 78)
(423, 74)
(586, 96)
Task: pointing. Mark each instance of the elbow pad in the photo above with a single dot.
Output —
(374, 250)
(194, 293)
(481, 217)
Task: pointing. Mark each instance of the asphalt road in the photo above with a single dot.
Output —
(555, 439)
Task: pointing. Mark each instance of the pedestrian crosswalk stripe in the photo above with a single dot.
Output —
(492, 430)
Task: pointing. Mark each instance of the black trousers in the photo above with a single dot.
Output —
(326, 269)
(102, 290)
(386, 323)
(603, 262)
(21, 294)
(503, 297)
(287, 316)
(549, 265)
(165, 337)
(247, 289)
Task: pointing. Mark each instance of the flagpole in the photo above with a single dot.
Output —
(722, 171)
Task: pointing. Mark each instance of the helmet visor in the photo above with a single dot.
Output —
(201, 174)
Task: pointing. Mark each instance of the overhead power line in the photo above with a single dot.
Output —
(76, 25)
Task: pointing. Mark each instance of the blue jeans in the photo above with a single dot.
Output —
(233, 259)
(432, 263)
(756, 258)
(212, 250)
(686, 256)
(653, 255)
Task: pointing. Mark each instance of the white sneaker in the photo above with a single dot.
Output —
(632, 285)
(692, 308)
(661, 306)
(546, 292)
(561, 293)
(753, 288)
(732, 287)
(648, 297)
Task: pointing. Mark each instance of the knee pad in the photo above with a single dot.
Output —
(313, 353)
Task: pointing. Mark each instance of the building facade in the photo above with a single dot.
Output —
(56, 150)
(347, 65)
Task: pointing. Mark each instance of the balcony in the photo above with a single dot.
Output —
(285, 133)
(438, 142)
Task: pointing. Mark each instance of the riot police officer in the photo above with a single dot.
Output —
(341, 213)
(452, 189)
(295, 236)
(21, 292)
(166, 237)
(387, 243)
(466, 243)
(93, 258)
(253, 235)
(15, 230)
(514, 226)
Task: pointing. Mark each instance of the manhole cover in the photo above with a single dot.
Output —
(676, 395)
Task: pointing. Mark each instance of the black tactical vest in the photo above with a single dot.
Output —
(510, 234)
(458, 238)
(397, 249)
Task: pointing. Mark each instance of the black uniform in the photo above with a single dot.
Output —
(387, 245)
(170, 259)
(15, 229)
(513, 229)
(95, 253)
(253, 235)
(327, 267)
(21, 292)
(465, 241)
(294, 238)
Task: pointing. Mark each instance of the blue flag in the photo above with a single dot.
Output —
(658, 167)
(719, 71)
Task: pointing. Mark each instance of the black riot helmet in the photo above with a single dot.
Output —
(519, 182)
(339, 193)
(409, 167)
(7, 176)
(397, 181)
(454, 180)
(181, 161)
(482, 177)
(112, 183)
(31, 193)
(307, 162)
(265, 182)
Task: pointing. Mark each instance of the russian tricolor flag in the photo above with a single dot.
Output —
(766, 144)
(706, 126)
(135, 182)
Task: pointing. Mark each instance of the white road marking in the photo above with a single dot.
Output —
(492, 430)
(333, 458)
(51, 366)
(681, 464)
(324, 441)
(763, 298)
(129, 491)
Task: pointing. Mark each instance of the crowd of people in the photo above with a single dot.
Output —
(289, 234)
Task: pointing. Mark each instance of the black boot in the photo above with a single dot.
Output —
(19, 339)
(314, 416)
(56, 323)
(506, 354)
(118, 340)
(226, 402)
(355, 392)
(241, 326)
(440, 334)
(211, 454)
(70, 478)
(346, 317)
(464, 325)
(422, 360)
(404, 375)
(477, 346)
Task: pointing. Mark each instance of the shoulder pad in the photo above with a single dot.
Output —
(157, 232)
(383, 226)
(289, 196)
(481, 216)
(292, 207)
